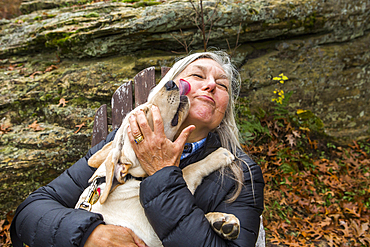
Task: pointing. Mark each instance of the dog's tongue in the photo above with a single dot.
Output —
(184, 87)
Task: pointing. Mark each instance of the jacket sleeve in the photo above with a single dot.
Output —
(48, 218)
(249, 205)
(178, 217)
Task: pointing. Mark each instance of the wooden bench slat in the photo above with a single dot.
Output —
(121, 103)
(144, 82)
(164, 71)
(100, 129)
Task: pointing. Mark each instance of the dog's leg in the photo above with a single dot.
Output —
(194, 173)
(226, 225)
(98, 158)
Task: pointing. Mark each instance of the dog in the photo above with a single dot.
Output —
(118, 164)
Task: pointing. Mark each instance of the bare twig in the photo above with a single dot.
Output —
(232, 52)
(203, 23)
(184, 43)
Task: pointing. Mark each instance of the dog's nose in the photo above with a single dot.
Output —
(171, 85)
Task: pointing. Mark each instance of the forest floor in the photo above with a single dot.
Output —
(327, 203)
(316, 193)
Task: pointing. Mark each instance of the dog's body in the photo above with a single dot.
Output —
(117, 159)
(123, 207)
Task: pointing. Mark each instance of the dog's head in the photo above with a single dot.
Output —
(119, 157)
(173, 104)
(121, 160)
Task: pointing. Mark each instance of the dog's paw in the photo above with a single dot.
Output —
(222, 154)
(226, 225)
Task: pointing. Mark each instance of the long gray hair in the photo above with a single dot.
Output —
(227, 130)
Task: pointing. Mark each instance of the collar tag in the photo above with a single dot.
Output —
(93, 194)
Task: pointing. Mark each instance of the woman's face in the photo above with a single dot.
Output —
(208, 96)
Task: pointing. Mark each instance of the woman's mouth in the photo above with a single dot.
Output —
(206, 98)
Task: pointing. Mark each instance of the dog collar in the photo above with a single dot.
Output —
(93, 194)
(129, 176)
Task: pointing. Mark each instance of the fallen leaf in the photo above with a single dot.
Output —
(296, 133)
(5, 128)
(36, 73)
(79, 127)
(360, 228)
(12, 67)
(290, 138)
(305, 129)
(35, 126)
(62, 102)
(52, 67)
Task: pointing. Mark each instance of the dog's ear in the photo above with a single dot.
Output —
(109, 176)
(121, 170)
(98, 158)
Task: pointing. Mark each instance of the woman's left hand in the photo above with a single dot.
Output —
(156, 150)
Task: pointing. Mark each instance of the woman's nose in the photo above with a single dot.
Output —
(209, 85)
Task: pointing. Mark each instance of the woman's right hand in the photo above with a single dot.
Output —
(111, 235)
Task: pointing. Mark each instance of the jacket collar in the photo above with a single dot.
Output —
(212, 143)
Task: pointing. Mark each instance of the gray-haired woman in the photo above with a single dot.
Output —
(176, 215)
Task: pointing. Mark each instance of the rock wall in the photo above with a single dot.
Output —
(81, 52)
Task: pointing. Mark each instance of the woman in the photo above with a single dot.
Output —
(176, 215)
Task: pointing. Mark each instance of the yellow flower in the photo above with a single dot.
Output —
(283, 77)
(300, 111)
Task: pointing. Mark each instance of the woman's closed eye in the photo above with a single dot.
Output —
(197, 75)
(223, 86)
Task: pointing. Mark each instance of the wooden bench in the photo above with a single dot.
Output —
(123, 102)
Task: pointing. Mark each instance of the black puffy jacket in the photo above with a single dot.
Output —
(48, 218)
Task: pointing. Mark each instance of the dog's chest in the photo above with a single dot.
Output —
(123, 208)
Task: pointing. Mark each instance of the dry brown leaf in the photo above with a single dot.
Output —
(50, 68)
(360, 228)
(5, 128)
(35, 126)
(79, 127)
(290, 138)
(36, 73)
(62, 102)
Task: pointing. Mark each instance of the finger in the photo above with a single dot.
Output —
(157, 120)
(143, 123)
(135, 129)
(130, 136)
(185, 133)
(138, 241)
